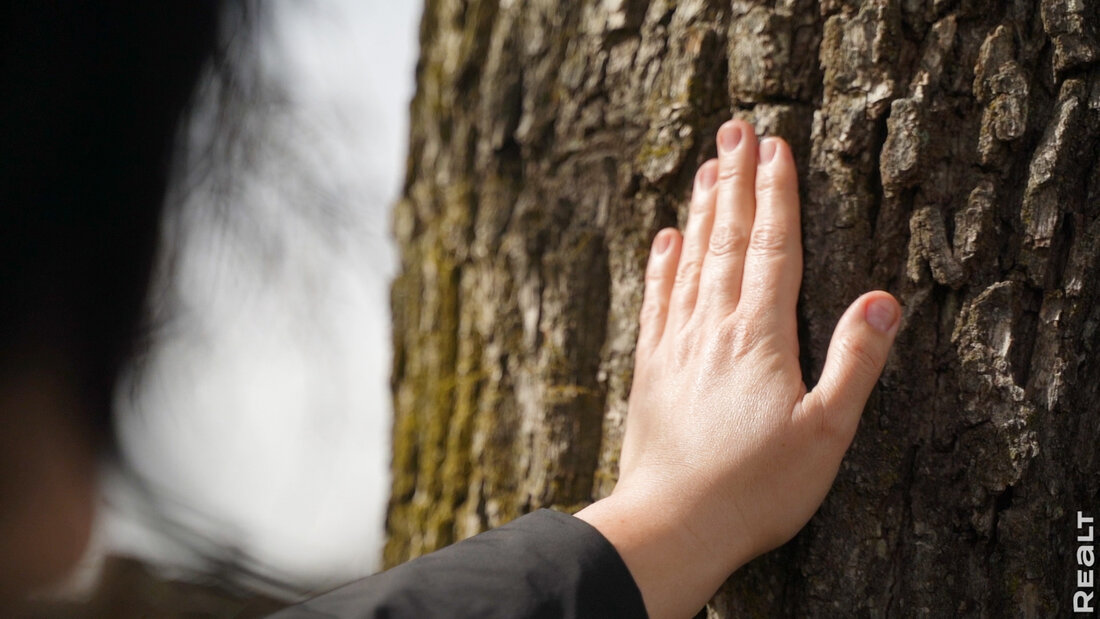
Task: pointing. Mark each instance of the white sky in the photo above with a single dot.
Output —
(262, 420)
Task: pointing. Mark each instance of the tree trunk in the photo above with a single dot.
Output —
(948, 154)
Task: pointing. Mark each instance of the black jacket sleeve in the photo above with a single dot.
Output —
(545, 564)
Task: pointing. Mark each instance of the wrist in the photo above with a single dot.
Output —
(677, 557)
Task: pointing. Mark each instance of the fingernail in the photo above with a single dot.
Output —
(708, 175)
(767, 150)
(662, 242)
(881, 314)
(729, 136)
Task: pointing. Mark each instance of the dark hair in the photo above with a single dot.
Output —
(92, 95)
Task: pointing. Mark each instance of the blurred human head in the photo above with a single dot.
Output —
(92, 96)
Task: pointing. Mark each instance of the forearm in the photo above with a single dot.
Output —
(545, 564)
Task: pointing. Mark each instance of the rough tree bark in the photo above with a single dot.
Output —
(948, 153)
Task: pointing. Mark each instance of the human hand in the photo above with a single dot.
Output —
(726, 454)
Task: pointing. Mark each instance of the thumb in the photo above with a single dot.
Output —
(857, 354)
